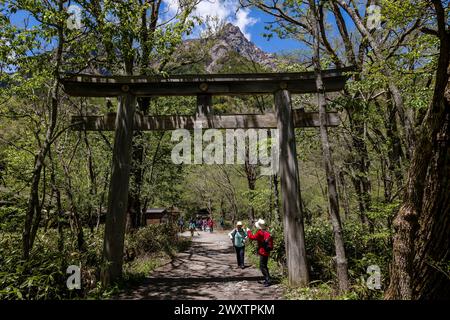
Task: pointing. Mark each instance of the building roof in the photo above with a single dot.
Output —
(203, 212)
(155, 210)
(173, 209)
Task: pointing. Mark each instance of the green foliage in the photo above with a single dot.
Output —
(43, 276)
(316, 291)
(278, 253)
(259, 200)
(154, 238)
(112, 38)
(11, 218)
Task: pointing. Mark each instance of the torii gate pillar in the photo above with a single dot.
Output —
(294, 234)
(118, 190)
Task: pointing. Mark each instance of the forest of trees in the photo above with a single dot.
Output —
(375, 190)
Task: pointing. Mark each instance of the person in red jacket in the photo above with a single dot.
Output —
(260, 236)
(210, 224)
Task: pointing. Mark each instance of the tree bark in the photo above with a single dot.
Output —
(421, 246)
(386, 71)
(134, 197)
(276, 196)
(344, 193)
(34, 208)
(92, 181)
(250, 171)
(59, 209)
(395, 153)
(359, 164)
(76, 223)
(333, 199)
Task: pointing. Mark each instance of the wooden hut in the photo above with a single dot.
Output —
(161, 215)
(155, 215)
(202, 213)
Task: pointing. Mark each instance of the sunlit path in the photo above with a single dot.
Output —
(207, 270)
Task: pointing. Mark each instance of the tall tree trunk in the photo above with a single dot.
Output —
(59, 209)
(134, 196)
(270, 218)
(343, 187)
(387, 72)
(34, 208)
(76, 221)
(276, 196)
(92, 181)
(421, 245)
(359, 163)
(147, 32)
(341, 260)
(250, 171)
(102, 198)
(395, 153)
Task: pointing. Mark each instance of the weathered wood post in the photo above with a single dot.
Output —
(294, 234)
(118, 190)
(204, 105)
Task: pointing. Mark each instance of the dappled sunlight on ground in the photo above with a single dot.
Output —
(207, 270)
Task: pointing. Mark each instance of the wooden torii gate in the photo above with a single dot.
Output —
(127, 88)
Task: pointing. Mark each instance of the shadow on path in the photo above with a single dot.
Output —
(207, 270)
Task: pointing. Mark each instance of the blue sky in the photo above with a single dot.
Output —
(275, 44)
(250, 21)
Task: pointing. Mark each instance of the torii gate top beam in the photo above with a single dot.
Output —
(195, 84)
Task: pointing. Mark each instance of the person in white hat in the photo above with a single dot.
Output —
(238, 236)
(265, 244)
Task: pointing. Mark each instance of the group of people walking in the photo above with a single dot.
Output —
(201, 224)
(239, 236)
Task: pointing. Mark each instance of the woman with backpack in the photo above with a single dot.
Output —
(238, 237)
(192, 226)
(210, 224)
(265, 245)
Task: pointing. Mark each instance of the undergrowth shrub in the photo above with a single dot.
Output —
(152, 238)
(43, 275)
(364, 248)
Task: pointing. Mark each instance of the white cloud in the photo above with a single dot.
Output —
(243, 20)
(214, 8)
(223, 10)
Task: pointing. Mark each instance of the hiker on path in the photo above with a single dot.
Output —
(210, 225)
(238, 237)
(222, 223)
(265, 245)
(181, 224)
(192, 227)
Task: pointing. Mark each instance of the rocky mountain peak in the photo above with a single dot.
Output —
(230, 38)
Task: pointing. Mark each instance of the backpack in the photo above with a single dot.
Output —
(268, 242)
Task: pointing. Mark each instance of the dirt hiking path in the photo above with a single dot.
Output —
(207, 270)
